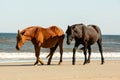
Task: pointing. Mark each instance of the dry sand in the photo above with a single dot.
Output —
(66, 71)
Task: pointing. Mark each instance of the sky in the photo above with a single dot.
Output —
(19, 14)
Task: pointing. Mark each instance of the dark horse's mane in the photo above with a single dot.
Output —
(91, 25)
(80, 24)
(94, 26)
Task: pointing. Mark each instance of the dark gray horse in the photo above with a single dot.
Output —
(87, 36)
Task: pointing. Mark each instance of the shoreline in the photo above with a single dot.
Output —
(30, 57)
(110, 70)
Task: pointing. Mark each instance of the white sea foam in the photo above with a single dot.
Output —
(26, 56)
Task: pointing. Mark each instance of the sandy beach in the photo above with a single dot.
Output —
(93, 71)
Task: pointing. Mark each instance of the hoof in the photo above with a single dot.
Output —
(48, 63)
(59, 63)
(73, 63)
(84, 63)
(88, 61)
(42, 63)
(102, 63)
(35, 63)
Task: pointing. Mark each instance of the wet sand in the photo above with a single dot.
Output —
(66, 71)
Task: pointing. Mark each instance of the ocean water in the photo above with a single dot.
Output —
(8, 52)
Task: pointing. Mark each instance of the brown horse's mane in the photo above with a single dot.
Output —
(28, 29)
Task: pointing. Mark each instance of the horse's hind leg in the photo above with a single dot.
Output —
(85, 53)
(61, 53)
(60, 42)
(99, 42)
(89, 51)
(52, 50)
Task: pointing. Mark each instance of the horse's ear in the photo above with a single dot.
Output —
(68, 26)
(19, 34)
(18, 31)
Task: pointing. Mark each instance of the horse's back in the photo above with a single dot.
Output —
(47, 35)
(51, 31)
(56, 30)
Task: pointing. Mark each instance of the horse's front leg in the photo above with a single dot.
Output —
(73, 59)
(74, 51)
(37, 53)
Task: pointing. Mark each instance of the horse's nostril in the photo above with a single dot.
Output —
(68, 42)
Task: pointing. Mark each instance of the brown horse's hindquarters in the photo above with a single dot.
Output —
(49, 43)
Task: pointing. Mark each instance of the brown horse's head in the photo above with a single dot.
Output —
(20, 40)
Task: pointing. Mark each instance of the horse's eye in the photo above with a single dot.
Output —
(75, 31)
(18, 38)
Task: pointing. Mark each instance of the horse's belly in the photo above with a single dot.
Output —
(49, 43)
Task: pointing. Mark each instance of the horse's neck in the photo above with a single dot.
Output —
(28, 36)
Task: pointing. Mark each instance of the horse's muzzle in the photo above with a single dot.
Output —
(17, 48)
(68, 42)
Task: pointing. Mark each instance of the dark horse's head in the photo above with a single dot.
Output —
(74, 31)
(20, 40)
(70, 34)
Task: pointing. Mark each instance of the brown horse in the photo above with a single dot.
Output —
(42, 37)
